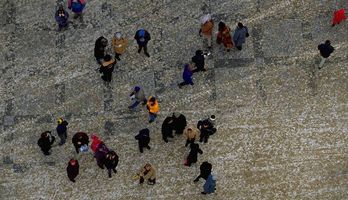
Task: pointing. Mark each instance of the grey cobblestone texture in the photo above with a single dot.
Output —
(282, 123)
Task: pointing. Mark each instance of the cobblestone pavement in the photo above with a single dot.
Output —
(282, 123)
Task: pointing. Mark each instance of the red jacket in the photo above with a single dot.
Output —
(95, 142)
(339, 16)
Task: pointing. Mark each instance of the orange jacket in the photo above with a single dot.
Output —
(207, 28)
(119, 45)
(152, 108)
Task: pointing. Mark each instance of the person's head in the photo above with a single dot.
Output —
(189, 130)
(240, 25)
(212, 118)
(328, 42)
(72, 162)
(147, 166)
(44, 135)
(221, 26)
(152, 99)
(104, 42)
(199, 52)
(60, 120)
(107, 58)
(136, 88)
(118, 35)
(205, 18)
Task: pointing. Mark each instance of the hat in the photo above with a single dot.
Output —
(118, 35)
(73, 162)
(60, 120)
(136, 88)
(212, 117)
(205, 18)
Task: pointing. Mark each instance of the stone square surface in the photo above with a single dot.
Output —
(281, 123)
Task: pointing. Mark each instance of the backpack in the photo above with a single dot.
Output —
(141, 35)
(77, 7)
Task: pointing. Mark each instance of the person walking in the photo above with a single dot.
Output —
(167, 129)
(143, 138)
(119, 45)
(99, 48)
(224, 36)
(209, 185)
(179, 122)
(207, 25)
(153, 108)
(206, 128)
(111, 161)
(80, 139)
(148, 173)
(191, 133)
(73, 169)
(107, 67)
(61, 17)
(338, 16)
(192, 157)
(187, 75)
(62, 130)
(45, 142)
(100, 154)
(142, 37)
(205, 171)
(198, 60)
(239, 35)
(77, 7)
(137, 95)
(325, 50)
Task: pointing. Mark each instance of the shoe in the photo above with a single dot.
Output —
(170, 136)
(150, 121)
(73, 181)
(109, 175)
(195, 181)
(179, 86)
(210, 47)
(203, 193)
(60, 144)
(114, 170)
(148, 147)
(139, 50)
(147, 54)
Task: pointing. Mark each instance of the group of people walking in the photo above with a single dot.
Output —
(176, 123)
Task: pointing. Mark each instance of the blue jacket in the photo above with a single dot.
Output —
(62, 21)
(210, 184)
(239, 36)
(187, 74)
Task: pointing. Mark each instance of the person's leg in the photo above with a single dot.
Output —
(117, 56)
(197, 179)
(152, 117)
(141, 180)
(322, 62)
(208, 37)
(62, 139)
(114, 170)
(148, 147)
(151, 181)
(145, 51)
(239, 48)
(109, 173)
(100, 163)
(141, 147)
(206, 137)
(77, 149)
(140, 48)
(164, 137)
(135, 104)
(144, 101)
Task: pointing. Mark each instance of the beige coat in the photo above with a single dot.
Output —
(193, 134)
(119, 45)
(150, 175)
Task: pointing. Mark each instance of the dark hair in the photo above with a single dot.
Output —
(152, 99)
(212, 116)
(107, 57)
(240, 25)
(199, 52)
(327, 42)
(221, 26)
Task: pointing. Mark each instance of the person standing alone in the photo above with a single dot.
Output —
(142, 37)
(325, 51)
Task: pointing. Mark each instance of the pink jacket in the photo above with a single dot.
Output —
(81, 1)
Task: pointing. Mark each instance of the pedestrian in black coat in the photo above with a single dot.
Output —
(143, 139)
(62, 130)
(206, 128)
(80, 139)
(73, 169)
(45, 142)
(100, 154)
(167, 129)
(325, 51)
(179, 123)
(205, 171)
(198, 59)
(142, 37)
(107, 67)
(99, 48)
(192, 157)
(111, 161)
